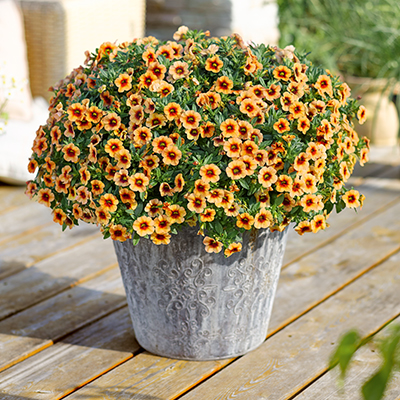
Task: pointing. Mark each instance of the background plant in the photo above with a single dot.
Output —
(354, 37)
(389, 350)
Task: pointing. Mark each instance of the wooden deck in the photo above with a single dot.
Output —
(65, 330)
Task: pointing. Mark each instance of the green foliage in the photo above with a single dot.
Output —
(356, 37)
(389, 349)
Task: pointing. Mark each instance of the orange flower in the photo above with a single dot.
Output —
(284, 183)
(361, 115)
(166, 50)
(103, 216)
(258, 91)
(59, 216)
(71, 153)
(111, 121)
(223, 85)
(144, 226)
(138, 182)
(232, 210)
(301, 163)
(233, 248)
(147, 79)
(179, 183)
(149, 162)
(123, 83)
(165, 89)
(149, 56)
(107, 98)
(166, 189)
(297, 188)
(344, 171)
(196, 203)
(154, 208)
(261, 157)
(297, 109)
(45, 196)
(287, 100)
(214, 64)
(282, 125)
(245, 220)
(262, 196)
(201, 188)
(171, 155)
(207, 215)
(55, 134)
(113, 146)
(324, 85)
(136, 114)
(172, 111)
(127, 196)
(249, 148)
(352, 199)
(210, 173)
(83, 195)
(111, 171)
(250, 164)
(190, 119)
(303, 227)
(229, 128)
(94, 114)
(207, 130)
(119, 232)
(109, 202)
(179, 70)
(176, 214)
(157, 69)
(226, 200)
(155, 120)
(121, 178)
(77, 211)
(318, 223)
(249, 107)
(245, 129)
(124, 158)
(303, 124)
(263, 219)
(312, 202)
(282, 73)
(76, 112)
(161, 143)
(233, 147)
(61, 186)
(267, 176)
(273, 92)
(142, 135)
(162, 224)
(193, 133)
(160, 238)
(364, 156)
(214, 99)
(212, 245)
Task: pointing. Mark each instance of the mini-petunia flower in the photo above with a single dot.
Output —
(59, 216)
(229, 128)
(263, 219)
(144, 226)
(233, 248)
(190, 119)
(179, 70)
(282, 125)
(207, 215)
(166, 189)
(267, 176)
(244, 220)
(311, 202)
(155, 120)
(154, 208)
(352, 199)
(318, 223)
(172, 111)
(233, 147)
(214, 64)
(196, 203)
(282, 73)
(284, 183)
(210, 173)
(103, 216)
(71, 153)
(249, 107)
(361, 114)
(212, 245)
(160, 238)
(273, 92)
(201, 188)
(162, 224)
(223, 85)
(138, 182)
(179, 183)
(161, 143)
(303, 227)
(123, 82)
(207, 130)
(111, 121)
(176, 214)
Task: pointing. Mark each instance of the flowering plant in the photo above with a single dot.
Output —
(150, 135)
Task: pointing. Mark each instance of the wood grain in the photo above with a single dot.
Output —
(54, 274)
(365, 362)
(36, 328)
(76, 360)
(25, 250)
(294, 357)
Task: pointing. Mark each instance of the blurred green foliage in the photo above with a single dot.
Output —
(389, 350)
(353, 37)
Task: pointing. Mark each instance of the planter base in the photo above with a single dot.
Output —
(188, 304)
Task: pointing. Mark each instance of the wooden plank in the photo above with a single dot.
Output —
(379, 193)
(36, 328)
(70, 364)
(318, 276)
(24, 251)
(12, 197)
(294, 357)
(22, 220)
(55, 274)
(362, 367)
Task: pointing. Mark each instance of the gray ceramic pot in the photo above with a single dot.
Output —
(189, 304)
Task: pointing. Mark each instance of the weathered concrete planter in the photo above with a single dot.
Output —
(186, 303)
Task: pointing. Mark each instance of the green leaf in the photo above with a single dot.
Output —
(135, 239)
(344, 352)
(244, 184)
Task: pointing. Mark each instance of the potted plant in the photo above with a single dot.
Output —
(194, 156)
(359, 40)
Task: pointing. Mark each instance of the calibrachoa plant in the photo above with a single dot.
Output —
(149, 136)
